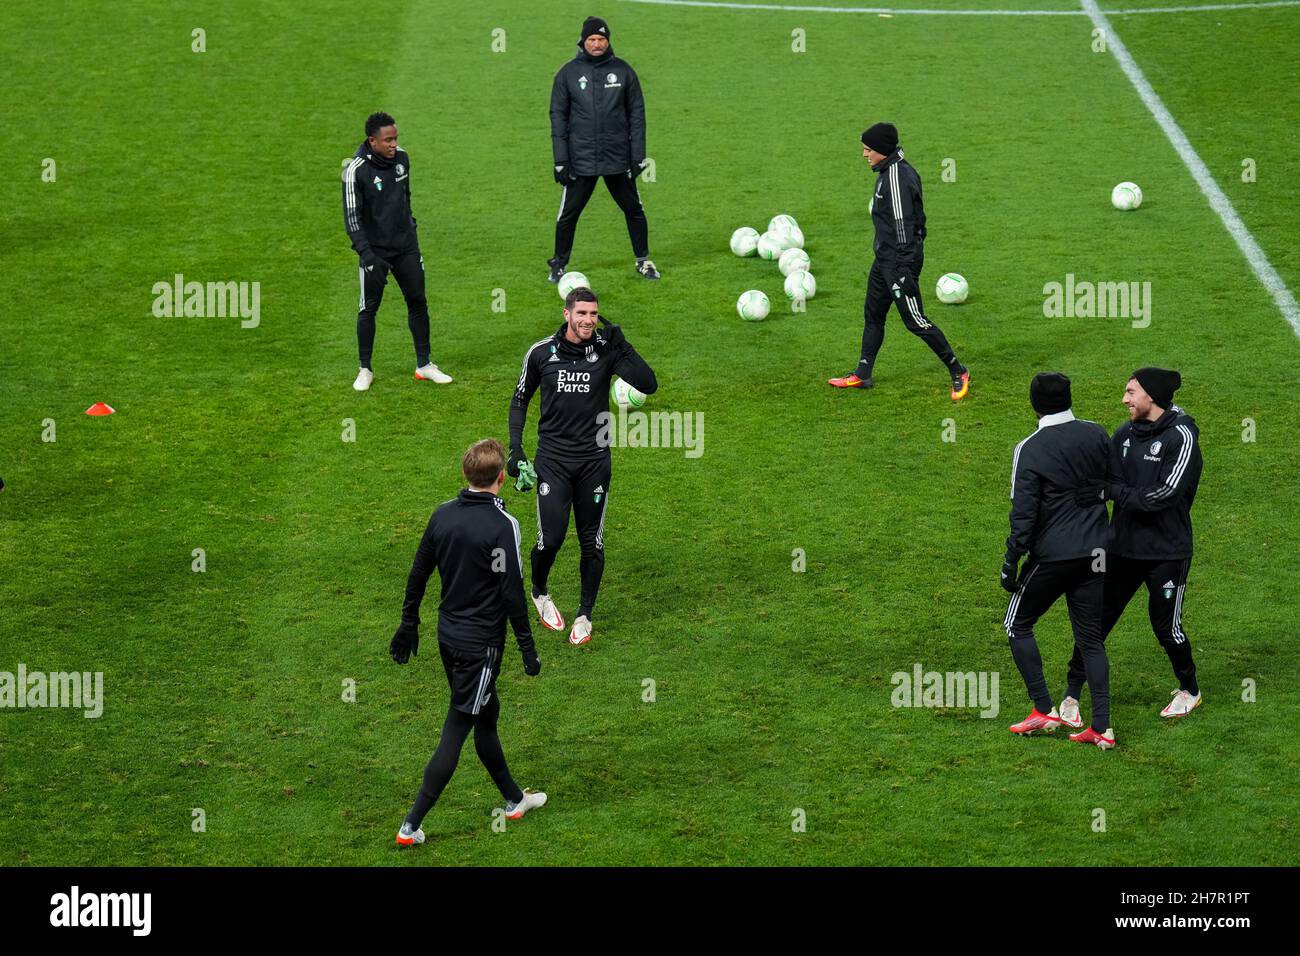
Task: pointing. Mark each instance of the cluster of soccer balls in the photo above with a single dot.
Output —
(782, 243)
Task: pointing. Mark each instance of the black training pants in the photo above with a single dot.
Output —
(622, 187)
(443, 762)
(408, 270)
(1040, 585)
(1166, 580)
(887, 285)
(582, 486)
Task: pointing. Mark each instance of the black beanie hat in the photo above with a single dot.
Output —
(882, 137)
(1159, 383)
(594, 25)
(1049, 392)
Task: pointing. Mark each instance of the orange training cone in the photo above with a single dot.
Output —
(99, 408)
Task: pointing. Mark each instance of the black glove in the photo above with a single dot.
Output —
(513, 461)
(1010, 572)
(564, 174)
(370, 261)
(405, 643)
(532, 663)
(1091, 493)
(613, 334)
(904, 281)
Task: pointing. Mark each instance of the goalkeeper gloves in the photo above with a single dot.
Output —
(527, 477)
(405, 642)
(532, 663)
(521, 469)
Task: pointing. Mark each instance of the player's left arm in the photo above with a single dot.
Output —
(635, 120)
(628, 363)
(409, 210)
(512, 593)
(1181, 455)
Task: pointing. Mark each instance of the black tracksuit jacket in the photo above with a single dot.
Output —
(1155, 470)
(377, 203)
(574, 380)
(1046, 523)
(597, 115)
(474, 544)
(898, 213)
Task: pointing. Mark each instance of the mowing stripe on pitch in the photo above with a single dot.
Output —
(1218, 200)
(901, 11)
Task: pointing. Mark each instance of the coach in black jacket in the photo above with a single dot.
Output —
(1155, 470)
(1065, 543)
(474, 543)
(598, 130)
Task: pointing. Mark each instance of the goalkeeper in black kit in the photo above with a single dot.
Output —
(572, 471)
(474, 544)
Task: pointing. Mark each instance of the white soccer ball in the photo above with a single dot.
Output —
(753, 305)
(951, 288)
(792, 260)
(744, 241)
(624, 395)
(800, 285)
(1126, 196)
(782, 223)
(793, 237)
(570, 281)
(772, 244)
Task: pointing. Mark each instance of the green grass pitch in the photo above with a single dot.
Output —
(224, 689)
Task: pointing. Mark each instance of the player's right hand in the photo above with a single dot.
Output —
(532, 663)
(1010, 573)
(563, 173)
(512, 461)
(370, 262)
(405, 643)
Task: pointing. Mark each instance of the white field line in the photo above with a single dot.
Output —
(900, 11)
(1216, 197)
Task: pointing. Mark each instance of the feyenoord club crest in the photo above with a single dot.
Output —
(400, 169)
(611, 78)
(582, 83)
(591, 357)
(543, 489)
(1155, 448)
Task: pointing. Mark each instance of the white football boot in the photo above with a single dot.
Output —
(364, 378)
(431, 373)
(548, 612)
(581, 632)
(408, 837)
(531, 801)
(1182, 704)
(1069, 713)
